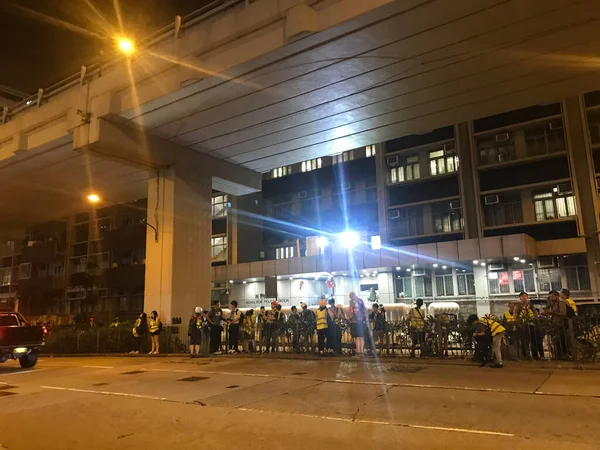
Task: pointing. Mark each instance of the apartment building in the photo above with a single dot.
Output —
(472, 213)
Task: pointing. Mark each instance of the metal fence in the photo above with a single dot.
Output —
(576, 339)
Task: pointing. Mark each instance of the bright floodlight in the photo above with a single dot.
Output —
(93, 198)
(322, 242)
(126, 46)
(348, 239)
(375, 242)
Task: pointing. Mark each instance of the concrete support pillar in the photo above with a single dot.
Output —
(469, 188)
(583, 179)
(178, 257)
(232, 230)
(381, 171)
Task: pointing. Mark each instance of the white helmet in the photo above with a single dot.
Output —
(198, 310)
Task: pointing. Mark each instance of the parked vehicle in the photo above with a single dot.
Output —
(19, 340)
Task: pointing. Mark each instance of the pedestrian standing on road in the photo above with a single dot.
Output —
(417, 327)
(261, 320)
(565, 295)
(527, 320)
(294, 327)
(155, 327)
(556, 311)
(358, 318)
(139, 331)
(487, 328)
(215, 317)
(337, 316)
(195, 332)
(324, 323)
(249, 331)
(205, 345)
(379, 325)
(235, 320)
(308, 323)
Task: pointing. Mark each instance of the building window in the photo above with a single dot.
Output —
(447, 217)
(284, 252)
(543, 139)
(578, 275)
(550, 205)
(123, 304)
(466, 283)
(523, 280)
(549, 280)
(219, 248)
(281, 172)
(498, 282)
(406, 222)
(424, 286)
(5, 276)
(219, 206)
(312, 164)
(283, 210)
(343, 157)
(24, 271)
(500, 148)
(505, 210)
(370, 149)
(444, 285)
(404, 287)
(443, 161)
(406, 171)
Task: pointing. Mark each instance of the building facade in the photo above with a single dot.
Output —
(473, 213)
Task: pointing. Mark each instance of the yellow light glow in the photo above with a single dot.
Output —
(126, 46)
(93, 198)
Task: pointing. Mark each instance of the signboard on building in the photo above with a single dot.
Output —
(263, 301)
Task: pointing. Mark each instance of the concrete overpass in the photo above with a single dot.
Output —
(243, 88)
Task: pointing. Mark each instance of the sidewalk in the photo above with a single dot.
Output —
(544, 365)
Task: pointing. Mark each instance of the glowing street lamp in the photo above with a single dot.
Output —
(93, 198)
(348, 239)
(126, 46)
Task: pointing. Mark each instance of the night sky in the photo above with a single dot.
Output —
(37, 50)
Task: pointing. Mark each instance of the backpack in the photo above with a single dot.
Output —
(160, 327)
(570, 310)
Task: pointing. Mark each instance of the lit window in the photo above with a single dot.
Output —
(312, 164)
(343, 157)
(407, 170)
(281, 171)
(219, 205)
(443, 161)
(370, 150)
(551, 205)
(466, 283)
(284, 252)
(219, 248)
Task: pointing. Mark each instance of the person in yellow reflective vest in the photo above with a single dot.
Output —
(249, 331)
(324, 325)
(565, 295)
(509, 315)
(417, 327)
(486, 327)
(155, 327)
(527, 319)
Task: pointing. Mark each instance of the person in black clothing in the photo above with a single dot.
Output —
(195, 332)
(235, 320)
(214, 322)
(139, 331)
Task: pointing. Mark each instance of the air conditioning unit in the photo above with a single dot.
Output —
(302, 194)
(564, 188)
(502, 137)
(392, 161)
(548, 262)
(555, 125)
(491, 199)
(419, 271)
(455, 204)
(449, 146)
(496, 266)
(394, 214)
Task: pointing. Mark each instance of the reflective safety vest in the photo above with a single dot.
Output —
(153, 325)
(199, 322)
(494, 326)
(321, 318)
(527, 314)
(572, 304)
(417, 318)
(509, 317)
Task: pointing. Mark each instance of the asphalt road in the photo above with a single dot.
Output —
(261, 403)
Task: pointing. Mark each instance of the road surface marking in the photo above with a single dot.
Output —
(382, 422)
(20, 372)
(98, 367)
(118, 394)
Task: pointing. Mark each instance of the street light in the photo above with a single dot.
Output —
(93, 198)
(126, 46)
(348, 239)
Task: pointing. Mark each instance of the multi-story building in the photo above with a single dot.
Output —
(473, 212)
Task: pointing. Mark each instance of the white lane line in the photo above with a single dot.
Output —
(382, 422)
(20, 372)
(118, 394)
(98, 367)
